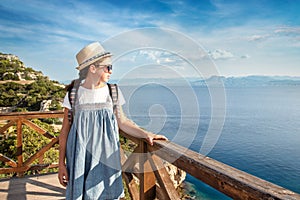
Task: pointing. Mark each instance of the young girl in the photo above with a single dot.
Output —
(89, 140)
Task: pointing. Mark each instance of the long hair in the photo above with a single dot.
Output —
(75, 85)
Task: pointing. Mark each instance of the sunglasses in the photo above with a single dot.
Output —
(107, 67)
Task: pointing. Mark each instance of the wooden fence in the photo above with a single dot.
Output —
(20, 119)
(147, 164)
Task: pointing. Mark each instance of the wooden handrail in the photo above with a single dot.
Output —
(226, 179)
(31, 115)
(149, 169)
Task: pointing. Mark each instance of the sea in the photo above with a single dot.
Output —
(254, 129)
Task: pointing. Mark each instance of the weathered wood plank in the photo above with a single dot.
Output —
(146, 175)
(32, 188)
(27, 168)
(31, 115)
(233, 182)
(41, 151)
(19, 145)
(132, 186)
(8, 160)
(163, 178)
(13, 170)
(37, 128)
(6, 126)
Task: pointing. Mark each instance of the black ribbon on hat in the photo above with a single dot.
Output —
(94, 57)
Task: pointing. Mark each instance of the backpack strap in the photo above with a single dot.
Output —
(113, 92)
(71, 95)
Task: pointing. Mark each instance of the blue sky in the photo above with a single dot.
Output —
(258, 37)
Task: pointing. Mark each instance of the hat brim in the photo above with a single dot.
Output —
(80, 67)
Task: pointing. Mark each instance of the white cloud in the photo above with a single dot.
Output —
(258, 37)
(288, 30)
(220, 54)
(157, 56)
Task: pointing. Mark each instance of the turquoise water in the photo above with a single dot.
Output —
(261, 133)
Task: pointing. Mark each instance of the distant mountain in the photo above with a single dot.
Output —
(246, 81)
(251, 81)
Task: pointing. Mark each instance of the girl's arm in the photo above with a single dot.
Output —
(131, 128)
(62, 170)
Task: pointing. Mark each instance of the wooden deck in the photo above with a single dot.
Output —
(37, 187)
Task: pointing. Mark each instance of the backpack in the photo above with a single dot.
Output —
(113, 92)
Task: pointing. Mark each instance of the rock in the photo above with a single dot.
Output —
(177, 176)
(45, 105)
(9, 57)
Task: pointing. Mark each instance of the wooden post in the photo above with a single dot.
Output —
(19, 147)
(141, 170)
(146, 175)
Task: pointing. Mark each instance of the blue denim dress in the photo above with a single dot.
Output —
(93, 154)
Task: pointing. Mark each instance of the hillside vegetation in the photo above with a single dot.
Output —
(24, 89)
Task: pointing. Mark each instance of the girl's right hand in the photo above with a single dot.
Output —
(63, 175)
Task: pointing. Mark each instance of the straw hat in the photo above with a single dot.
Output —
(90, 54)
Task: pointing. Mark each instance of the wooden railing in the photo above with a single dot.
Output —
(147, 164)
(20, 119)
